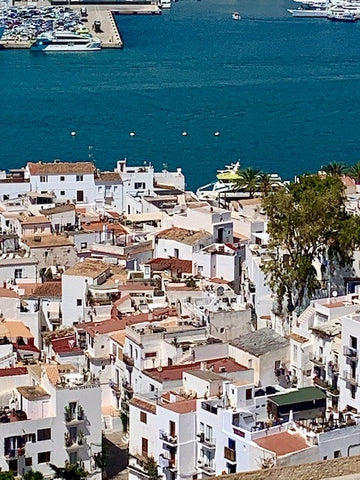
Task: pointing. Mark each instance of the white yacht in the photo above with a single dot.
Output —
(64, 41)
(236, 16)
(309, 12)
(226, 180)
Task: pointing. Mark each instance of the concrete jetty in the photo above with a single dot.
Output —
(109, 34)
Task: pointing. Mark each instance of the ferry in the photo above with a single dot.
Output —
(64, 41)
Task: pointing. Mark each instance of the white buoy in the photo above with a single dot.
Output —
(73, 134)
(132, 134)
(217, 134)
(184, 134)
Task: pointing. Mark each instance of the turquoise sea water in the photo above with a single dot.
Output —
(284, 93)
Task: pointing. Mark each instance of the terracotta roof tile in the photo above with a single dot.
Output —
(143, 405)
(172, 264)
(282, 443)
(54, 168)
(188, 237)
(8, 293)
(48, 289)
(10, 372)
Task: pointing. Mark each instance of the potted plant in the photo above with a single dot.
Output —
(68, 441)
(68, 414)
(81, 437)
(80, 413)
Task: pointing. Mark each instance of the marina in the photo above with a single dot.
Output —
(21, 25)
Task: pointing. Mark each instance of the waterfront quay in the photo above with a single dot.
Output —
(108, 33)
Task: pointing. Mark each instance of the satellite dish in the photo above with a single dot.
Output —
(334, 293)
(220, 291)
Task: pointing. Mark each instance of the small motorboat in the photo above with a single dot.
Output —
(236, 16)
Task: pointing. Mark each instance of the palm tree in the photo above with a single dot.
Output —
(266, 183)
(249, 180)
(335, 169)
(354, 172)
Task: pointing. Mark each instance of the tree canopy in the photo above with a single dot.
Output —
(307, 220)
(69, 472)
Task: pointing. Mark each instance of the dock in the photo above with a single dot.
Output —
(109, 34)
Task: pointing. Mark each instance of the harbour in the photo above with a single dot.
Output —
(98, 19)
(284, 106)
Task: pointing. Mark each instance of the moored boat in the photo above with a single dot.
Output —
(65, 41)
(236, 16)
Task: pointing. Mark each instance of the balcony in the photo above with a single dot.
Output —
(138, 466)
(207, 468)
(170, 439)
(73, 418)
(128, 389)
(207, 442)
(350, 353)
(73, 444)
(317, 360)
(115, 386)
(129, 361)
(230, 454)
(350, 378)
(320, 382)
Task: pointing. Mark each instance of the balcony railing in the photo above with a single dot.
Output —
(208, 442)
(230, 454)
(350, 378)
(350, 352)
(165, 437)
(317, 359)
(129, 361)
(320, 382)
(208, 468)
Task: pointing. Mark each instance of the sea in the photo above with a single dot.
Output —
(283, 93)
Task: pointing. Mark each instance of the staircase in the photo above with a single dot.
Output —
(306, 316)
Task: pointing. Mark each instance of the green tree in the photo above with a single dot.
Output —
(7, 475)
(152, 469)
(249, 180)
(69, 472)
(33, 475)
(354, 172)
(334, 168)
(307, 221)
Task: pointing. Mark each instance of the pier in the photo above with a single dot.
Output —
(109, 34)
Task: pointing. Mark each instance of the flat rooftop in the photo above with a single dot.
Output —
(32, 392)
(260, 342)
(175, 372)
(188, 237)
(282, 443)
(88, 268)
(306, 394)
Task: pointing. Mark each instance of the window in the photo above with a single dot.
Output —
(43, 457)
(62, 179)
(337, 454)
(295, 353)
(99, 189)
(78, 302)
(143, 417)
(83, 245)
(43, 178)
(79, 178)
(62, 192)
(176, 252)
(18, 272)
(44, 434)
(115, 188)
(28, 462)
(139, 185)
(144, 446)
(353, 342)
(152, 387)
(248, 393)
(172, 428)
